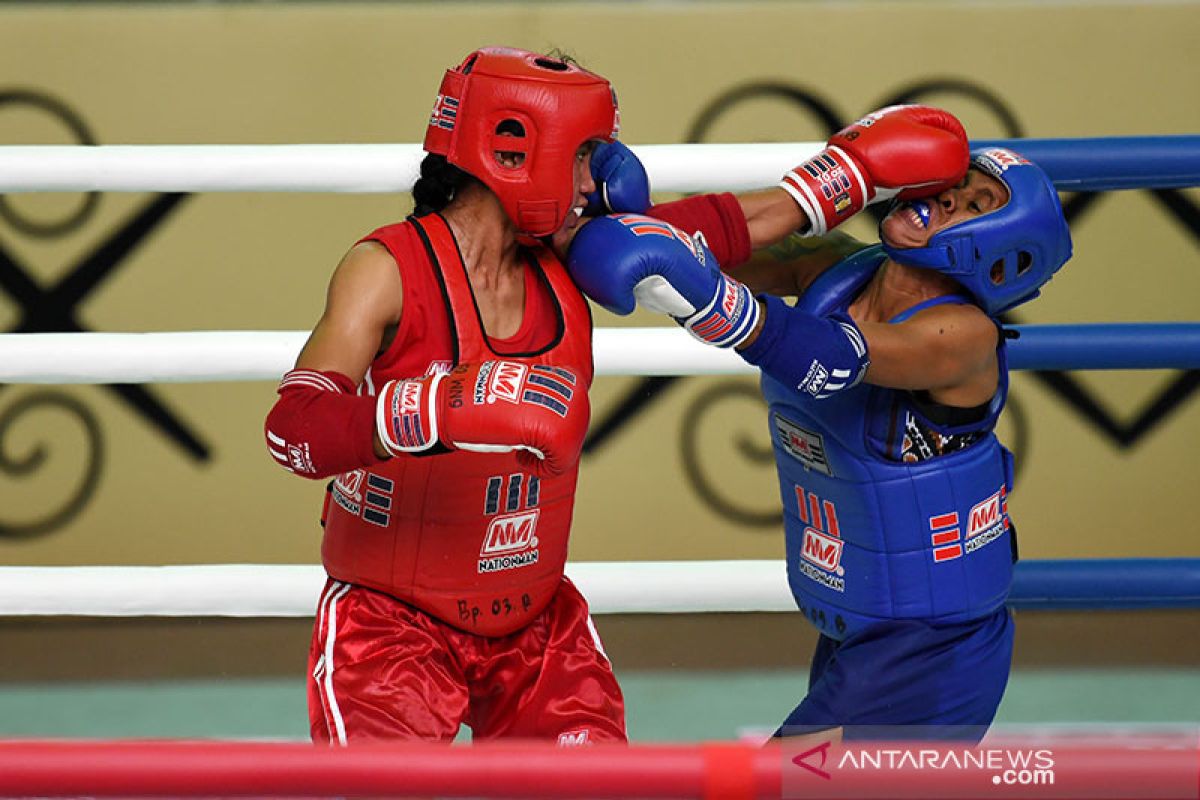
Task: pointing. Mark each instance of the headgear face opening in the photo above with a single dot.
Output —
(503, 100)
(1003, 257)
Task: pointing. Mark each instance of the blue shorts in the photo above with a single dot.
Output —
(908, 679)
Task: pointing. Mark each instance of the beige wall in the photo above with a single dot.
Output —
(320, 73)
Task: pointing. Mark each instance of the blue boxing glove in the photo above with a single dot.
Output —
(621, 181)
(626, 260)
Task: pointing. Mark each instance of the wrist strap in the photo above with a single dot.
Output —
(729, 318)
(406, 414)
(829, 188)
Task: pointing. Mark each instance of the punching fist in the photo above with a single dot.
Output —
(905, 151)
(621, 181)
(627, 260)
(493, 407)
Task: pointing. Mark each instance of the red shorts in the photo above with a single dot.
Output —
(381, 669)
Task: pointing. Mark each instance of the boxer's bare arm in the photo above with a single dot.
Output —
(788, 267)
(318, 411)
(948, 350)
(362, 307)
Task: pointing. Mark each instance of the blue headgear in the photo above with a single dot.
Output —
(1004, 256)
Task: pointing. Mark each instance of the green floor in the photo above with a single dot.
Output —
(676, 706)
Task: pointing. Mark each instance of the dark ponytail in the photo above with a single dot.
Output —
(440, 181)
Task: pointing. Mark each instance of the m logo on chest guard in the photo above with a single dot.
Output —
(821, 550)
(372, 502)
(510, 534)
(349, 483)
(511, 538)
(988, 520)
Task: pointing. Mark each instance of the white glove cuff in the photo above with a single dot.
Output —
(413, 402)
(655, 293)
(796, 186)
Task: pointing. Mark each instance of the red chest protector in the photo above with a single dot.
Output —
(467, 537)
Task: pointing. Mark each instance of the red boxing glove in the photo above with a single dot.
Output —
(905, 151)
(493, 407)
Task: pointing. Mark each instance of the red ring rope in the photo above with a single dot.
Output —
(1144, 768)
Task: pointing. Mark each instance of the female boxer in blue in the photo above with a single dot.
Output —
(884, 383)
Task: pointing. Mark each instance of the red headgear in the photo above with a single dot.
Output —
(559, 106)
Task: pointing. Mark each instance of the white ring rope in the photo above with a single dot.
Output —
(249, 590)
(211, 356)
(291, 590)
(367, 168)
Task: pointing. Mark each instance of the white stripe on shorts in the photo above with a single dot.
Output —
(329, 699)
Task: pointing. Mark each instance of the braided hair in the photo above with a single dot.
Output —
(440, 181)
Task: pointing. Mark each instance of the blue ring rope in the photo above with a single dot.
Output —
(1102, 583)
(1133, 345)
(1112, 162)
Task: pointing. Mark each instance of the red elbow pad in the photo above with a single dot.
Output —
(719, 217)
(319, 427)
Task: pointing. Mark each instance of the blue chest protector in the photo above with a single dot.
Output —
(874, 531)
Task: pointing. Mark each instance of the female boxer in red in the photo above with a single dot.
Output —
(445, 386)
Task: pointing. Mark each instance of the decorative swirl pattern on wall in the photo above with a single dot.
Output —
(82, 134)
(47, 307)
(750, 446)
(29, 465)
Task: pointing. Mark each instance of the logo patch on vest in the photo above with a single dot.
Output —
(511, 538)
(510, 542)
(821, 550)
(987, 521)
(804, 445)
(346, 491)
(372, 502)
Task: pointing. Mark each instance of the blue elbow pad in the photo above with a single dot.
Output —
(819, 356)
